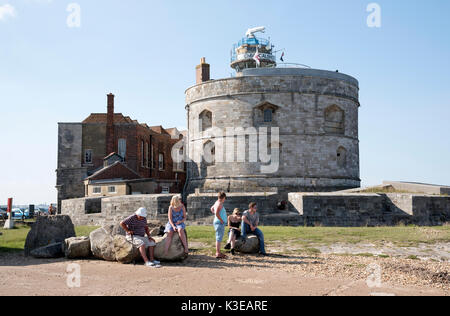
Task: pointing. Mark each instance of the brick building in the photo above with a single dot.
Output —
(114, 147)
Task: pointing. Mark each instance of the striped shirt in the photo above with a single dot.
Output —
(138, 227)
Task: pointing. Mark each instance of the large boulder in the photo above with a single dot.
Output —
(102, 242)
(54, 250)
(49, 230)
(176, 250)
(77, 247)
(124, 250)
(248, 245)
(109, 243)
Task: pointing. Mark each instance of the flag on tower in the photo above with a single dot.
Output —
(282, 57)
(257, 58)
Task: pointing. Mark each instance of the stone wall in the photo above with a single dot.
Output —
(115, 209)
(419, 187)
(84, 211)
(199, 205)
(346, 209)
(304, 209)
(70, 173)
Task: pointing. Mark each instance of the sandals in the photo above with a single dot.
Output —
(221, 256)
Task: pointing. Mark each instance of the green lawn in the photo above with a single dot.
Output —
(307, 237)
(402, 236)
(14, 240)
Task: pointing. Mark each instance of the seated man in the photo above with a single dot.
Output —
(136, 228)
(250, 222)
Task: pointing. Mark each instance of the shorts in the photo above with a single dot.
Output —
(237, 233)
(139, 241)
(220, 231)
(169, 227)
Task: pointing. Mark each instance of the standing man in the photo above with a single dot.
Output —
(250, 222)
(136, 228)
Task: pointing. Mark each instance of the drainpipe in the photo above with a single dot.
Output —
(186, 146)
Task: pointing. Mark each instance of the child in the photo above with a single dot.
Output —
(234, 223)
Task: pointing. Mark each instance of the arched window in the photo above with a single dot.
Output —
(205, 120)
(209, 153)
(341, 157)
(334, 120)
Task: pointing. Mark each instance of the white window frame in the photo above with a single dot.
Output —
(96, 193)
(112, 187)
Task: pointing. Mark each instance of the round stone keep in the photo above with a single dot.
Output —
(313, 112)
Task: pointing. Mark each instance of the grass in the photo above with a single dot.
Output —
(14, 240)
(384, 190)
(400, 235)
(301, 237)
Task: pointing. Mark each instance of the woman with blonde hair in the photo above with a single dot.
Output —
(177, 219)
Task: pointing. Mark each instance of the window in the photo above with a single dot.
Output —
(165, 190)
(342, 157)
(205, 120)
(112, 189)
(161, 161)
(268, 115)
(96, 190)
(152, 158)
(334, 120)
(122, 146)
(88, 156)
(209, 153)
(179, 166)
(147, 161)
(142, 154)
(265, 114)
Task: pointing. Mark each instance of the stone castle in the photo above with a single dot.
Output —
(284, 136)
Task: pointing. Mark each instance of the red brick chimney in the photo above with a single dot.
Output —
(110, 125)
(202, 71)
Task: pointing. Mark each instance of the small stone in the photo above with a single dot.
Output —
(54, 250)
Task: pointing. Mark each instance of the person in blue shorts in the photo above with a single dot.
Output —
(220, 221)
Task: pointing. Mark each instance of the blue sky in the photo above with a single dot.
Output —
(145, 53)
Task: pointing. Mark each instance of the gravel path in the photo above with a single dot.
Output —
(294, 274)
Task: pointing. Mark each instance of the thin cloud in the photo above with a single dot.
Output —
(6, 11)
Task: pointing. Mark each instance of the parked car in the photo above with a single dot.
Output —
(40, 211)
(17, 214)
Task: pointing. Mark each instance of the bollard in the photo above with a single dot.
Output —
(9, 224)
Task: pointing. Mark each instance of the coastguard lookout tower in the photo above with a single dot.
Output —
(252, 52)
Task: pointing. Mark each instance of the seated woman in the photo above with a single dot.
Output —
(177, 218)
(234, 223)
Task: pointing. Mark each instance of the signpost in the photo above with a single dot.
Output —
(9, 224)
